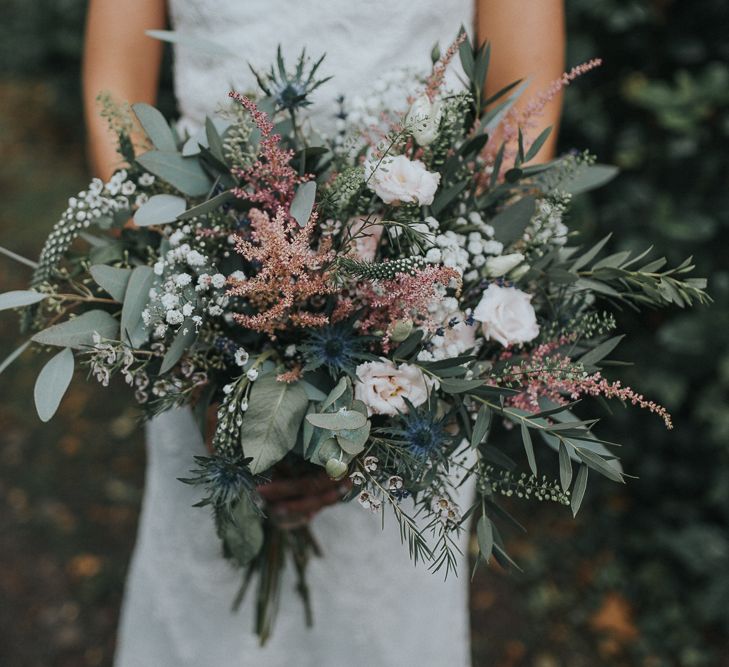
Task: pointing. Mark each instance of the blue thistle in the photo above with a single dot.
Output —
(338, 347)
(290, 90)
(423, 433)
(226, 479)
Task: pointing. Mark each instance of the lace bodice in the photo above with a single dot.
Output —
(362, 40)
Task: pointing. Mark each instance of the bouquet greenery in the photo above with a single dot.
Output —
(401, 304)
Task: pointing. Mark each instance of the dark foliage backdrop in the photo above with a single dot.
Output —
(641, 579)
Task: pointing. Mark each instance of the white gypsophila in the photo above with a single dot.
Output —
(397, 180)
(546, 225)
(501, 265)
(455, 335)
(218, 281)
(382, 386)
(423, 119)
(195, 258)
(507, 315)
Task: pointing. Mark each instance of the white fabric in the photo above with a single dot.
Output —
(371, 605)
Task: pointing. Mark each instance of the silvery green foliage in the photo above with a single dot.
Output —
(97, 205)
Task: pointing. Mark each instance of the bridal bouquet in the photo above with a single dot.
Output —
(401, 304)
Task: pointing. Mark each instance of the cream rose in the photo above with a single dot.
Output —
(507, 315)
(423, 120)
(501, 265)
(397, 179)
(382, 386)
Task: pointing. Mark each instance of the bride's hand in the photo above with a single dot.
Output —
(292, 502)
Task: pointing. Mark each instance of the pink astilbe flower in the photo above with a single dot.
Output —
(549, 374)
(526, 118)
(291, 273)
(435, 81)
(407, 296)
(270, 180)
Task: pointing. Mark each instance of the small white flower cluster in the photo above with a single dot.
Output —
(466, 253)
(454, 336)
(108, 357)
(446, 511)
(95, 205)
(190, 288)
(547, 226)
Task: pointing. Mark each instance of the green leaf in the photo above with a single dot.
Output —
(482, 426)
(509, 225)
(526, 438)
(578, 492)
(135, 300)
(303, 202)
(207, 206)
(20, 299)
(353, 441)
(538, 143)
(338, 421)
(78, 332)
(183, 173)
(243, 533)
(272, 421)
(409, 345)
(314, 393)
(159, 210)
(13, 356)
(156, 127)
(111, 279)
(454, 386)
(598, 463)
(336, 393)
(215, 143)
(52, 382)
(565, 467)
(205, 46)
(184, 339)
(596, 355)
(585, 259)
(589, 177)
(446, 196)
(485, 535)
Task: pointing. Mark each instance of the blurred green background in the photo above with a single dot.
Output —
(642, 578)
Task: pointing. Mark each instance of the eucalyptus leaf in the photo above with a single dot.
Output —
(596, 355)
(52, 383)
(509, 224)
(183, 173)
(242, 533)
(206, 46)
(338, 421)
(303, 202)
(336, 393)
(589, 177)
(272, 421)
(183, 340)
(78, 332)
(160, 210)
(135, 300)
(211, 204)
(13, 356)
(485, 535)
(20, 299)
(353, 441)
(482, 426)
(111, 279)
(526, 438)
(565, 467)
(156, 127)
(578, 492)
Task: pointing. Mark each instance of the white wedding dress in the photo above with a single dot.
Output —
(371, 605)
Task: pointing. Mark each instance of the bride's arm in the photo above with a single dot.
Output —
(121, 59)
(528, 40)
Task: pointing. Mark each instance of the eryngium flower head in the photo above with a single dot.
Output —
(336, 346)
(290, 90)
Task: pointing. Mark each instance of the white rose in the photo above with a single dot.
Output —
(500, 266)
(382, 386)
(397, 179)
(507, 315)
(423, 120)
